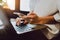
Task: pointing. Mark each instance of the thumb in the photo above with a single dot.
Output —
(31, 13)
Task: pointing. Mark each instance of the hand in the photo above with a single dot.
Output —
(18, 21)
(33, 17)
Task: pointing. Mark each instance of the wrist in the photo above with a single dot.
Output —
(38, 21)
(42, 20)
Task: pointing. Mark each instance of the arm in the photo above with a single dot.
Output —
(42, 20)
(46, 20)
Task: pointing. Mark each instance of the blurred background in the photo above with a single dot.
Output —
(19, 6)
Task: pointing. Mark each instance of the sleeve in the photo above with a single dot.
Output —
(52, 28)
(57, 15)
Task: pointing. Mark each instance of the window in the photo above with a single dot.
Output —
(8, 4)
(24, 5)
(0, 2)
(11, 4)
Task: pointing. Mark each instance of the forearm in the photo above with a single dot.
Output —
(46, 20)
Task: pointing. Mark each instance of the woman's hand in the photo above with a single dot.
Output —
(18, 21)
(32, 17)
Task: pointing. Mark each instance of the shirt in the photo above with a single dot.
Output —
(45, 8)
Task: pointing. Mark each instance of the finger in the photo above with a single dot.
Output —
(25, 22)
(18, 21)
(24, 16)
(31, 16)
(17, 13)
(31, 20)
(32, 13)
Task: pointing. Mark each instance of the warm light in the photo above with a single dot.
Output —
(4, 0)
(11, 4)
(6, 7)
